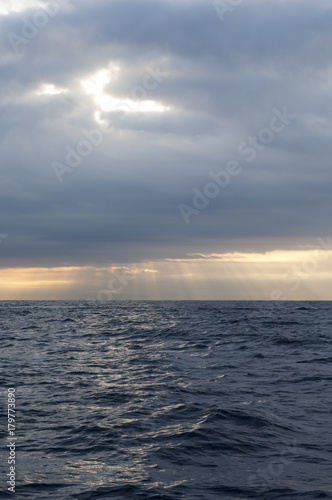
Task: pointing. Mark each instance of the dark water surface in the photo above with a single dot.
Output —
(168, 400)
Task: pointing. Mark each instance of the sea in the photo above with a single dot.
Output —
(166, 400)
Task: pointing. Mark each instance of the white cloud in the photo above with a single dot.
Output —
(10, 6)
(105, 102)
(50, 89)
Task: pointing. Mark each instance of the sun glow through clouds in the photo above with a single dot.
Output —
(95, 86)
(9, 6)
(299, 274)
(50, 89)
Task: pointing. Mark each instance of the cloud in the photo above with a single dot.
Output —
(179, 91)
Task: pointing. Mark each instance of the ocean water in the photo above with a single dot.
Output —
(168, 400)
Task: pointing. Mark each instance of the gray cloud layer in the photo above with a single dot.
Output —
(221, 82)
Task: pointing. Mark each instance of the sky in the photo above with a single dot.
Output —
(165, 149)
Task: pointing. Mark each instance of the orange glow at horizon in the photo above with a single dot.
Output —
(298, 275)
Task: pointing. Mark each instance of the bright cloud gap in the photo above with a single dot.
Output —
(95, 86)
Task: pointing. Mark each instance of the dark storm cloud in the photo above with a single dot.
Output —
(220, 81)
